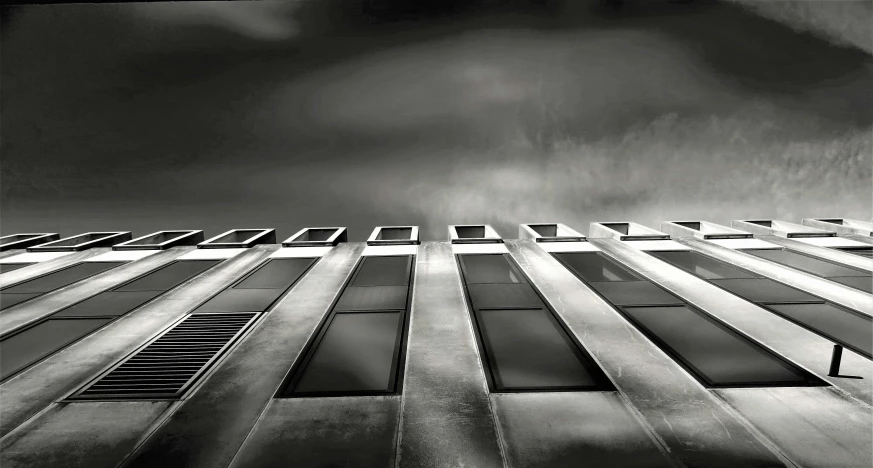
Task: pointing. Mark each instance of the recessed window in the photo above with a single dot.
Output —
(470, 232)
(864, 283)
(594, 266)
(58, 279)
(252, 294)
(806, 263)
(313, 237)
(764, 290)
(523, 345)
(762, 223)
(21, 241)
(689, 225)
(169, 276)
(276, 274)
(109, 304)
(83, 241)
(20, 350)
(162, 240)
(718, 355)
(398, 233)
(7, 267)
(358, 351)
(701, 265)
(8, 300)
(316, 235)
(634, 293)
(850, 329)
(622, 228)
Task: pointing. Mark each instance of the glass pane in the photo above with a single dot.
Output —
(276, 274)
(496, 296)
(23, 349)
(527, 350)
(714, 351)
(394, 234)
(109, 303)
(169, 276)
(79, 239)
(239, 235)
(241, 300)
(470, 232)
(61, 278)
(805, 263)
(383, 271)
(635, 293)
(765, 290)
(488, 269)
(4, 267)
(10, 299)
(842, 325)
(701, 265)
(373, 298)
(592, 266)
(864, 283)
(356, 354)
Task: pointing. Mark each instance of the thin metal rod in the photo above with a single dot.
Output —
(835, 361)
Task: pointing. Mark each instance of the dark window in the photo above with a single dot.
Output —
(635, 293)
(593, 266)
(240, 235)
(109, 304)
(4, 267)
(805, 263)
(61, 278)
(527, 349)
(394, 234)
(701, 265)
(470, 232)
(241, 300)
(545, 230)
(852, 330)
(276, 274)
(499, 296)
(159, 238)
(169, 276)
(488, 269)
(864, 283)
(10, 299)
(315, 235)
(373, 298)
(618, 227)
(356, 354)
(23, 349)
(764, 290)
(717, 354)
(80, 239)
(383, 271)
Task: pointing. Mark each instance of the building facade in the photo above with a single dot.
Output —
(696, 345)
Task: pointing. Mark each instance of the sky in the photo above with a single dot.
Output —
(213, 116)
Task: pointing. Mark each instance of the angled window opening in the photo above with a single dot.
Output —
(549, 232)
(359, 349)
(317, 237)
(81, 242)
(473, 234)
(22, 241)
(161, 240)
(394, 235)
(240, 238)
(523, 344)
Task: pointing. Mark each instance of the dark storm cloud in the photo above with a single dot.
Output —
(219, 115)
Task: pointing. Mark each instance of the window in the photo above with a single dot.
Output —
(593, 266)
(864, 283)
(522, 343)
(5, 267)
(470, 232)
(764, 290)
(853, 330)
(806, 263)
(359, 348)
(169, 276)
(51, 281)
(258, 290)
(714, 353)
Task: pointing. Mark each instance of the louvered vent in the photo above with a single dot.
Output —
(167, 366)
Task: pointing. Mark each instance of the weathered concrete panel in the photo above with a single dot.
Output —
(54, 301)
(821, 287)
(86, 435)
(571, 429)
(825, 253)
(799, 345)
(698, 429)
(324, 432)
(56, 376)
(209, 427)
(446, 416)
(815, 431)
(48, 266)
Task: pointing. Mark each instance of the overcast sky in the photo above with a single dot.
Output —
(285, 115)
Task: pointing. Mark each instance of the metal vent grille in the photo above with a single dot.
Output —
(168, 365)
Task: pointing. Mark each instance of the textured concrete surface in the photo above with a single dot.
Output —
(797, 344)
(49, 303)
(86, 435)
(356, 432)
(209, 427)
(821, 287)
(36, 388)
(571, 429)
(697, 429)
(825, 253)
(48, 266)
(446, 417)
(831, 432)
